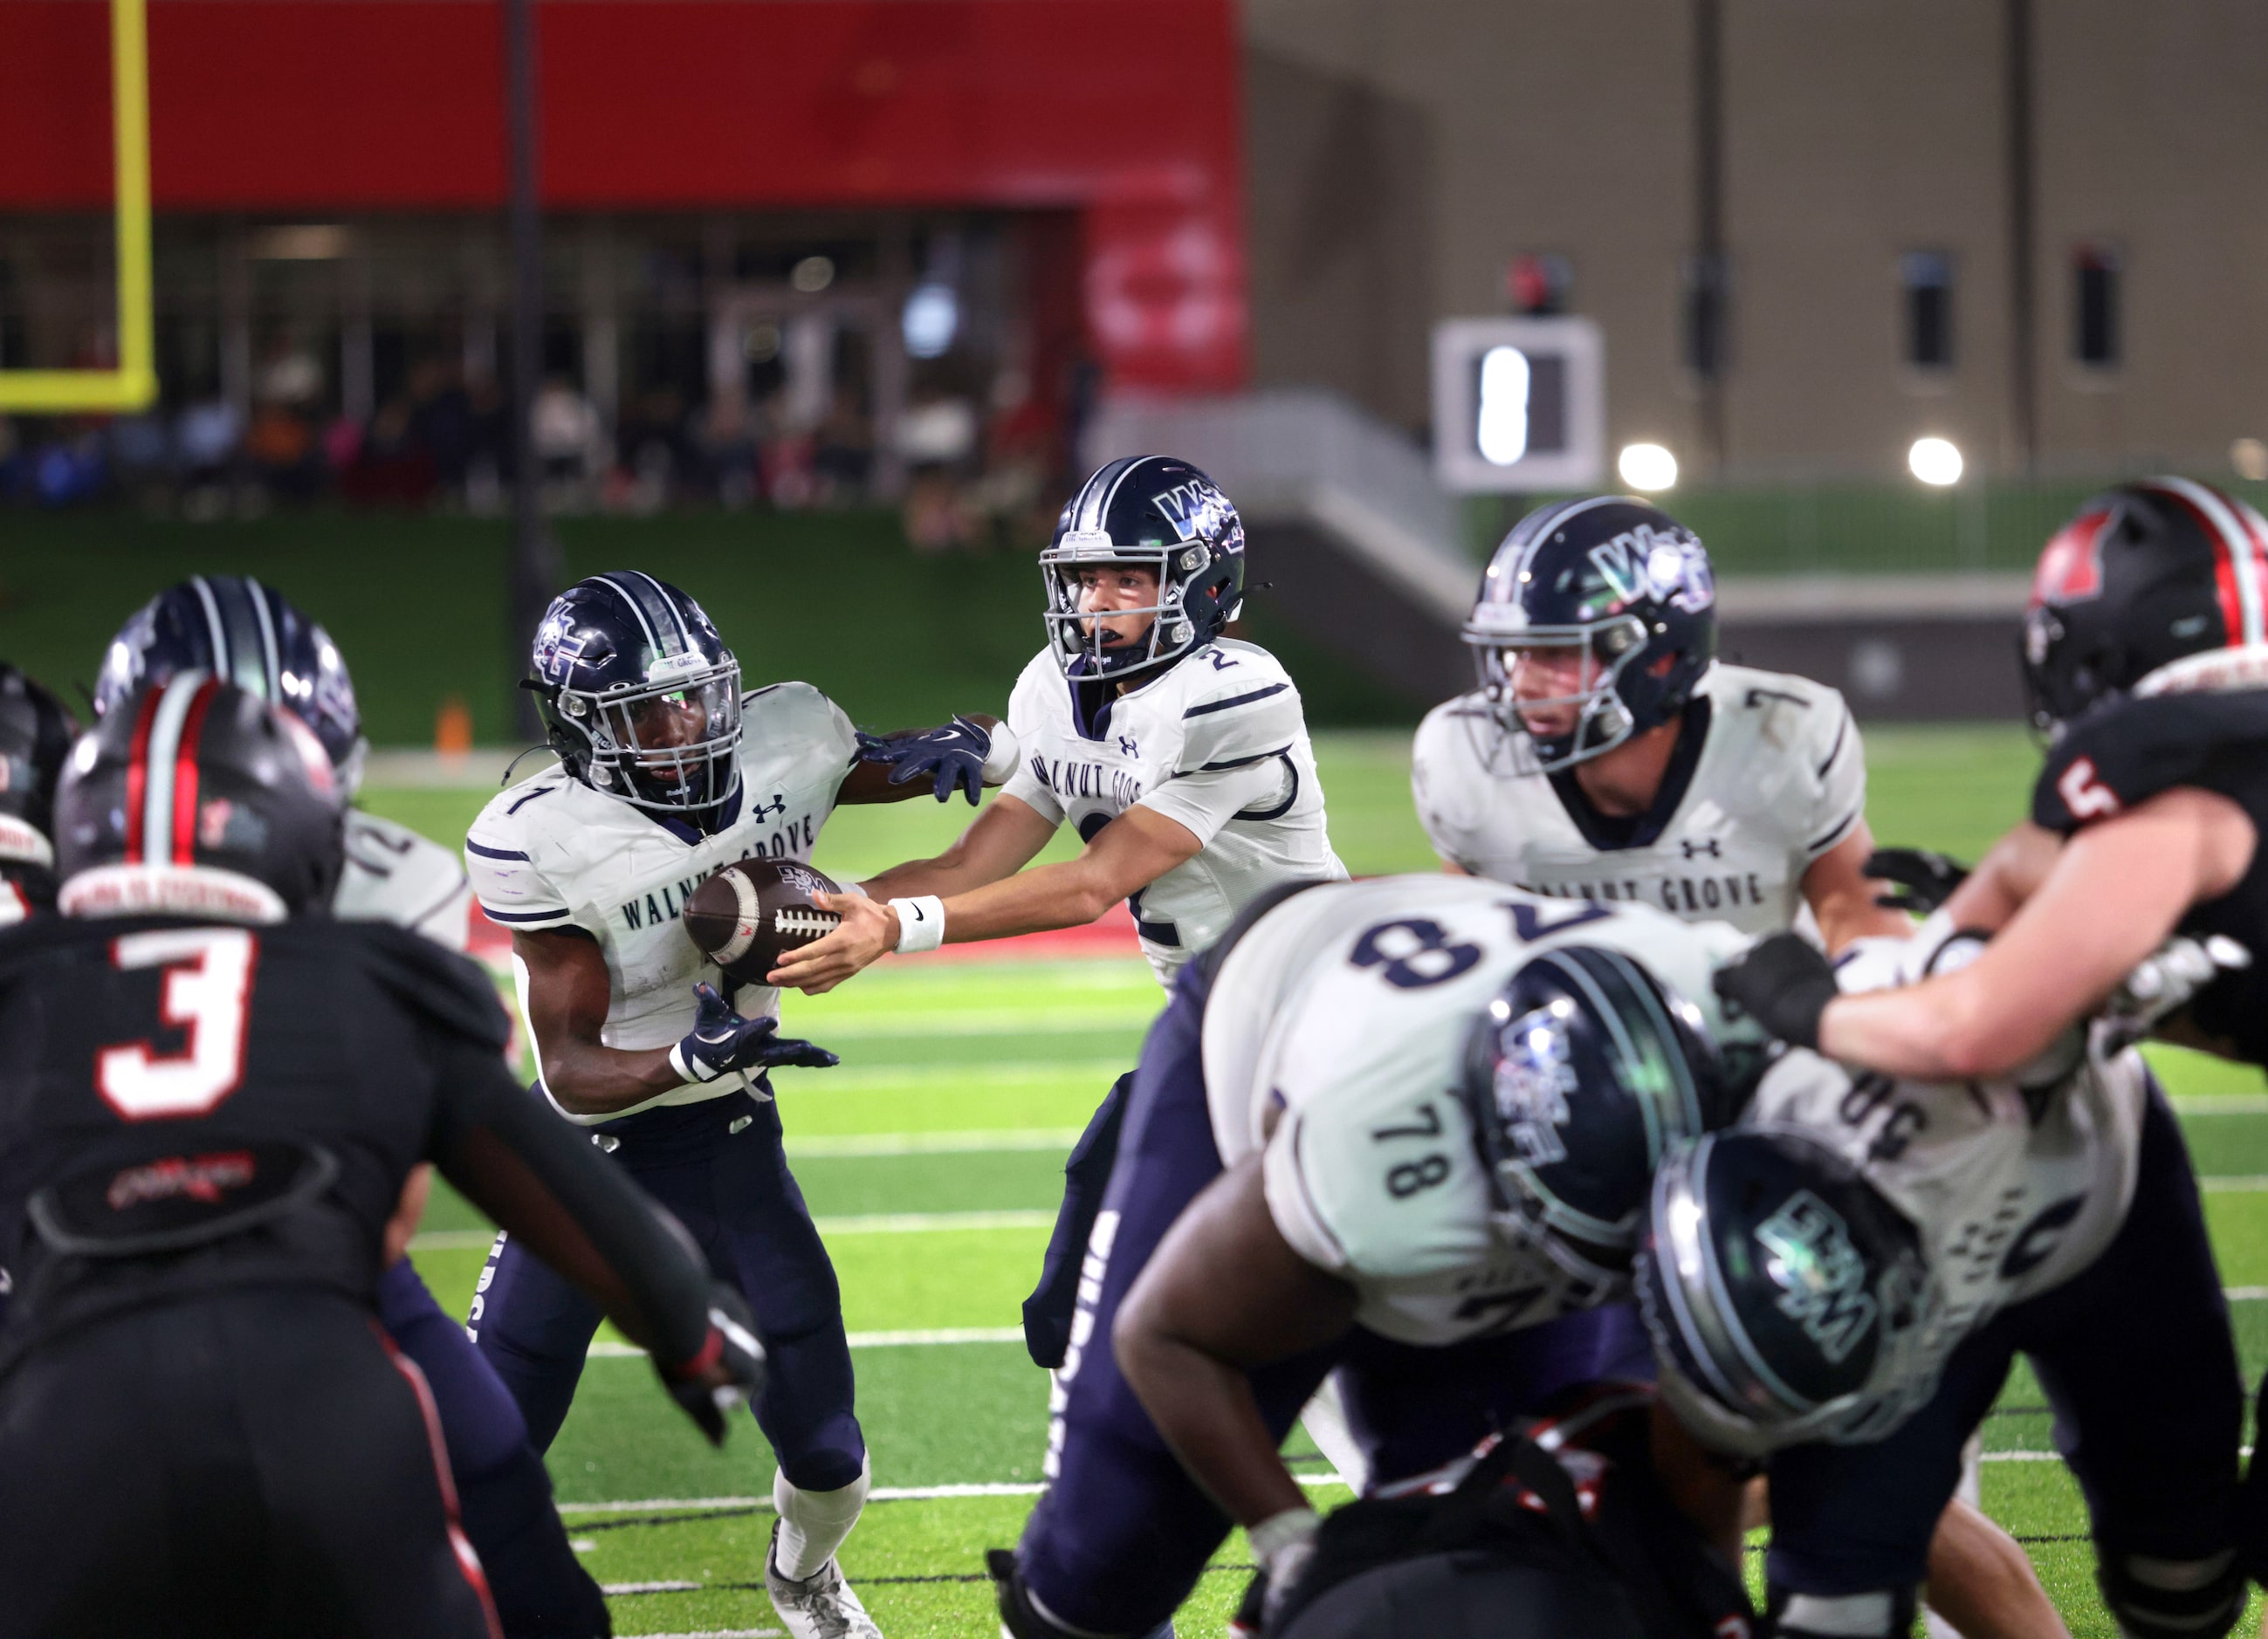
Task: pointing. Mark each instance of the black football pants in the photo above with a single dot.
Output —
(252, 1464)
(1469, 1594)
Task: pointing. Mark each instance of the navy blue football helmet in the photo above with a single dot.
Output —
(36, 732)
(1584, 1071)
(1787, 1300)
(1614, 583)
(244, 633)
(1160, 514)
(639, 696)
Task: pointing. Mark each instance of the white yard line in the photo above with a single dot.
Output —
(999, 1140)
(609, 1349)
(2233, 1183)
(1026, 1073)
(880, 1494)
(866, 1223)
(2221, 1103)
(713, 1632)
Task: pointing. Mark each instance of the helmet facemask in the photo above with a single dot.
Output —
(666, 743)
(1601, 649)
(1076, 637)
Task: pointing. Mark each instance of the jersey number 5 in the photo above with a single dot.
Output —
(2084, 793)
(206, 991)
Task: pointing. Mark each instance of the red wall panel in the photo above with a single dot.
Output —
(1128, 109)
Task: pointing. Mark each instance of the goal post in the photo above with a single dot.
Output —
(133, 384)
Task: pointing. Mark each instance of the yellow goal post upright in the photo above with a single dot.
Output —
(133, 384)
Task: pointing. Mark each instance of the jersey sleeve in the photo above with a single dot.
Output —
(1204, 803)
(1438, 757)
(1242, 714)
(510, 887)
(1836, 765)
(2126, 753)
(1396, 1194)
(1028, 720)
(393, 874)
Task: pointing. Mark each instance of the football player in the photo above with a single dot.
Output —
(1608, 754)
(211, 1097)
(667, 771)
(243, 630)
(2143, 656)
(1179, 756)
(36, 730)
(1314, 1054)
(2040, 1202)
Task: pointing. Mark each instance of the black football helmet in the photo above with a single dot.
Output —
(640, 698)
(1787, 1300)
(1582, 1073)
(36, 732)
(1615, 579)
(1161, 514)
(2145, 576)
(194, 797)
(243, 632)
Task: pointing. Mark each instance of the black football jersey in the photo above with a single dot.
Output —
(2126, 752)
(188, 1106)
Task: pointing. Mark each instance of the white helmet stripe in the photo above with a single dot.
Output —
(164, 750)
(216, 627)
(1552, 520)
(637, 608)
(670, 603)
(2243, 553)
(260, 595)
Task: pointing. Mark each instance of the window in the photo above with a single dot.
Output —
(1925, 277)
(2096, 340)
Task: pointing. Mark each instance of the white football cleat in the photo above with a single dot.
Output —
(819, 1606)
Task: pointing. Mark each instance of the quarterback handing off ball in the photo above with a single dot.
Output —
(751, 913)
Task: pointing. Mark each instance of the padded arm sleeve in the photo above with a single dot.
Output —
(541, 1179)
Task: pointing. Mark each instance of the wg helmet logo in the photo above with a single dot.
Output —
(1533, 1080)
(1821, 1278)
(1194, 509)
(1648, 562)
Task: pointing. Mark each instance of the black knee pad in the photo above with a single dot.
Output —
(2167, 1599)
(1884, 1613)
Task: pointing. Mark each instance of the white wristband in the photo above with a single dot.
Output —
(1001, 760)
(690, 1069)
(921, 924)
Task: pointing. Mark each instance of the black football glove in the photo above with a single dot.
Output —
(721, 1041)
(1784, 983)
(953, 755)
(1920, 878)
(728, 1372)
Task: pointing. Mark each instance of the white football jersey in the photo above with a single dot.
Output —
(394, 875)
(1779, 778)
(2016, 1188)
(1339, 1021)
(551, 852)
(1215, 742)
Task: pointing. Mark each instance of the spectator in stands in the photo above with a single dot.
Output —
(570, 442)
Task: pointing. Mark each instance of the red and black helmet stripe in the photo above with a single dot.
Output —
(161, 772)
(2239, 555)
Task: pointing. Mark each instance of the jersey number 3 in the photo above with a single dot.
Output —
(207, 992)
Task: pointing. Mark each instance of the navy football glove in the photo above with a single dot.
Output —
(1784, 983)
(721, 1041)
(1920, 879)
(728, 1372)
(953, 755)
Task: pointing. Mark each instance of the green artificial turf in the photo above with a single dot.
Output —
(960, 1085)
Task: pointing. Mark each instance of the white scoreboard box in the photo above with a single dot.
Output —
(1519, 404)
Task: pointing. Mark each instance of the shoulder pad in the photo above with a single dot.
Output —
(451, 992)
(2127, 751)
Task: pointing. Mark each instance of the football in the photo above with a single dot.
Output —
(754, 911)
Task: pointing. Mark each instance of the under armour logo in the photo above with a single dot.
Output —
(764, 811)
(1126, 747)
(1708, 845)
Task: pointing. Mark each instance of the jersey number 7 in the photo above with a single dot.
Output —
(207, 992)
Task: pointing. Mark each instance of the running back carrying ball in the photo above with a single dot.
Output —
(754, 911)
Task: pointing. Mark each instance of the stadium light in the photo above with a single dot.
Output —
(931, 320)
(1647, 466)
(1935, 461)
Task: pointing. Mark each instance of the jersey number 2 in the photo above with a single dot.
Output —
(207, 992)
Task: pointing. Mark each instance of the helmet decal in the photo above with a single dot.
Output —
(1821, 1278)
(2070, 565)
(1533, 1080)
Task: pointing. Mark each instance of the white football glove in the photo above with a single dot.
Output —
(2166, 980)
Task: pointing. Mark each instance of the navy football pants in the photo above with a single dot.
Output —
(1123, 1533)
(2135, 1356)
(504, 1496)
(733, 1192)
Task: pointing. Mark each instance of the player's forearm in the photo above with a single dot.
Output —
(587, 1079)
(1949, 1029)
(1070, 894)
(1205, 1410)
(943, 877)
(2008, 876)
